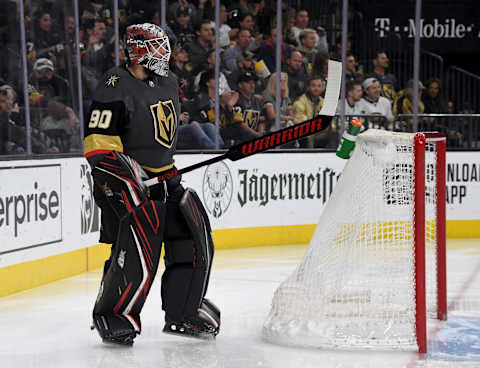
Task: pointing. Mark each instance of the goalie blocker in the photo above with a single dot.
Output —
(135, 221)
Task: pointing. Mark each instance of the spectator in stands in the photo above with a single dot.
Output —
(97, 34)
(198, 49)
(182, 68)
(286, 114)
(246, 21)
(43, 35)
(245, 64)
(69, 36)
(64, 49)
(403, 103)
(206, 9)
(268, 51)
(223, 84)
(466, 109)
(9, 105)
(288, 34)
(60, 125)
(307, 47)
(96, 53)
(249, 106)
(202, 132)
(320, 65)
(8, 99)
(10, 63)
(233, 53)
(243, 118)
(89, 77)
(307, 106)
(297, 74)
(13, 135)
(459, 130)
(373, 103)
(202, 108)
(451, 107)
(336, 54)
(192, 136)
(248, 7)
(182, 27)
(110, 51)
(263, 17)
(47, 83)
(387, 81)
(351, 72)
(301, 23)
(195, 14)
(9, 20)
(354, 95)
(10, 46)
(95, 9)
(433, 98)
(226, 33)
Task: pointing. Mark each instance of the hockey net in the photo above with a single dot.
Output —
(375, 267)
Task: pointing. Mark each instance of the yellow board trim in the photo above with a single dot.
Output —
(262, 236)
(463, 229)
(96, 256)
(31, 274)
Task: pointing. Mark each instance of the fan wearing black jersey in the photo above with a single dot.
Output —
(130, 136)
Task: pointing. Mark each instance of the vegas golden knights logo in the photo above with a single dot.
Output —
(165, 122)
(251, 117)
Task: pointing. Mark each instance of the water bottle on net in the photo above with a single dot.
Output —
(347, 143)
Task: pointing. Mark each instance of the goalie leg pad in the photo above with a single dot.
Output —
(199, 224)
(119, 179)
(188, 258)
(129, 273)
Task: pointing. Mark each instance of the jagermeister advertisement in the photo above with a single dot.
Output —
(275, 189)
(267, 189)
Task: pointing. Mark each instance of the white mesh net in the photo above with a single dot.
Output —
(355, 286)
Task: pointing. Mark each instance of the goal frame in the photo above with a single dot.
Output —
(420, 142)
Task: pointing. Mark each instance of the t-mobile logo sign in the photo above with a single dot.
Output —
(434, 29)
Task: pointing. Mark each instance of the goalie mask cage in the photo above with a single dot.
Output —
(376, 265)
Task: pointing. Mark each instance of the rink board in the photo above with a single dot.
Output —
(49, 224)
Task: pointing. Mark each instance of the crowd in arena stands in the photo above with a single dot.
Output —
(247, 84)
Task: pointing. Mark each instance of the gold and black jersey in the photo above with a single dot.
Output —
(249, 112)
(136, 117)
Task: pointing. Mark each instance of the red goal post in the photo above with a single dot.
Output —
(421, 142)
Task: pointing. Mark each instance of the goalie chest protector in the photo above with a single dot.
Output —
(139, 118)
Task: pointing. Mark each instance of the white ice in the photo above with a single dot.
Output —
(49, 326)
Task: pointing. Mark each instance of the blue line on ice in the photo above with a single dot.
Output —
(459, 339)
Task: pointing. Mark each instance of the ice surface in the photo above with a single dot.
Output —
(49, 326)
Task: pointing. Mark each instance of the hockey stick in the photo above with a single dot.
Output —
(278, 138)
(256, 145)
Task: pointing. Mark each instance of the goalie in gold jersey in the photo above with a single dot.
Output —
(131, 135)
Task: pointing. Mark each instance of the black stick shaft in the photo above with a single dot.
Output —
(256, 145)
(203, 163)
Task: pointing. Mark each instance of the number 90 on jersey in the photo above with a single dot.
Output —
(100, 119)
